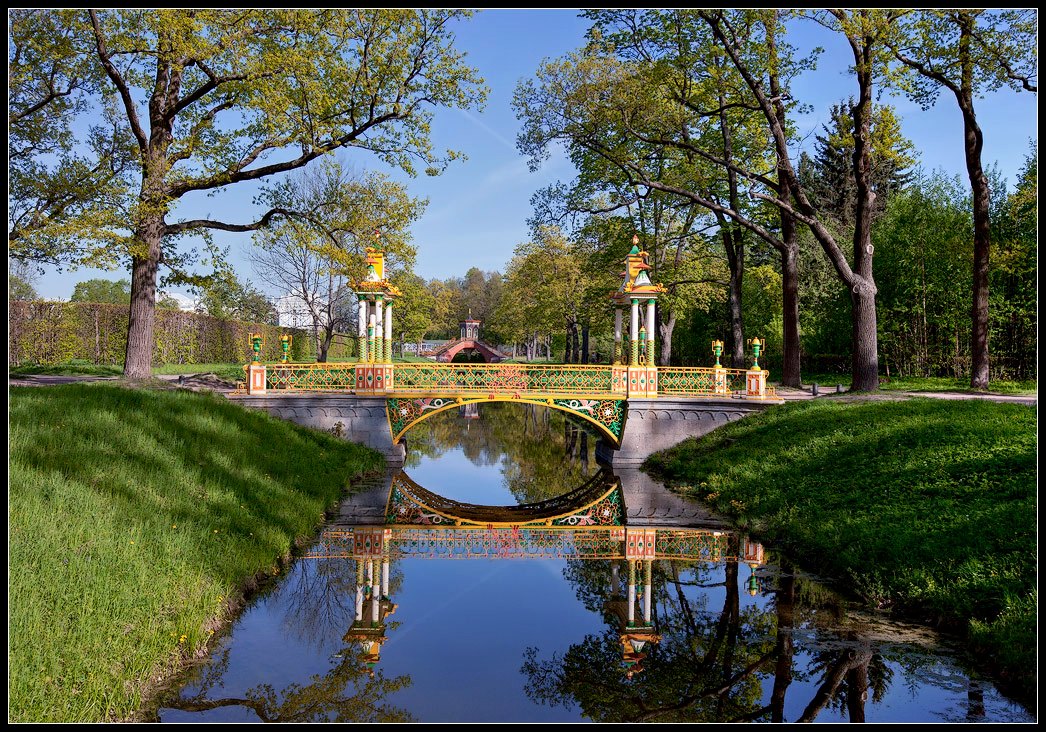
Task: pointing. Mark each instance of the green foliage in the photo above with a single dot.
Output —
(239, 95)
(924, 505)
(829, 178)
(1014, 279)
(414, 309)
(106, 291)
(19, 287)
(137, 518)
(924, 246)
(478, 294)
(224, 297)
(53, 333)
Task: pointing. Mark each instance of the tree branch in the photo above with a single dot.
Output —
(121, 85)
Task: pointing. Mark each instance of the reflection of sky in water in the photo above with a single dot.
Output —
(453, 475)
(462, 627)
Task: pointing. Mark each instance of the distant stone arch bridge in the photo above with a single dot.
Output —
(636, 410)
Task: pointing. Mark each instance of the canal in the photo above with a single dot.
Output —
(622, 602)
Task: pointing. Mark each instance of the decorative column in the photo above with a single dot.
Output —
(648, 591)
(370, 339)
(379, 337)
(375, 593)
(634, 334)
(388, 332)
(361, 331)
(650, 329)
(359, 589)
(631, 592)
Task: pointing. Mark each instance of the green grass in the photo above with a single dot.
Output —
(69, 368)
(828, 382)
(137, 519)
(228, 371)
(922, 505)
(232, 372)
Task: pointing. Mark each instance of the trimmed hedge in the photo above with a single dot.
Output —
(56, 332)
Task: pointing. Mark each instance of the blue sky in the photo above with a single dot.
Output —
(478, 208)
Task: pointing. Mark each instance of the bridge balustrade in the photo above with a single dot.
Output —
(513, 380)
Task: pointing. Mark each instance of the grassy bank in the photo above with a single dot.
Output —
(136, 519)
(921, 505)
(828, 383)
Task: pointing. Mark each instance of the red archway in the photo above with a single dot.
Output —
(449, 351)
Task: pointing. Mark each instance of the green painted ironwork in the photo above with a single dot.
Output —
(598, 502)
(310, 377)
(606, 414)
(503, 379)
(683, 381)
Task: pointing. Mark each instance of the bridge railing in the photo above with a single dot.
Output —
(310, 376)
(544, 380)
(550, 379)
(689, 381)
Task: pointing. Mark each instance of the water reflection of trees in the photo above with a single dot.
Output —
(711, 664)
(318, 603)
(349, 692)
(542, 451)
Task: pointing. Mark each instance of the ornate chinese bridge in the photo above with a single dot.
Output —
(377, 402)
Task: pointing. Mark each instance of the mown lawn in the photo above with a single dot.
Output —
(137, 518)
(920, 505)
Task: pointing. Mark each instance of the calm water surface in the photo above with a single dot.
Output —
(495, 624)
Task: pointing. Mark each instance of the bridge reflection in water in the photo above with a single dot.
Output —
(589, 522)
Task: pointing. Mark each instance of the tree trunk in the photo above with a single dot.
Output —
(569, 341)
(857, 687)
(784, 601)
(865, 371)
(138, 358)
(584, 344)
(666, 329)
(325, 344)
(790, 349)
(735, 257)
(974, 141)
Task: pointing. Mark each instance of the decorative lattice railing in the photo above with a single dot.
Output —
(310, 376)
(530, 379)
(689, 381)
(523, 380)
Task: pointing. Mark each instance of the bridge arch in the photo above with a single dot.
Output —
(607, 415)
(596, 502)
